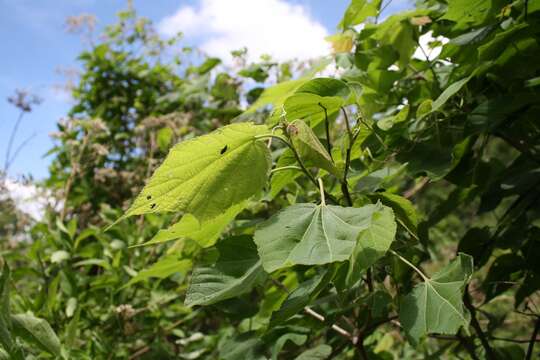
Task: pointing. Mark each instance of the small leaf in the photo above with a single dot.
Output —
(248, 346)
(320, 352)
(341, 43)
(311, 107)
(59, 256)
(161, 269)
(435, 306)
(448, 93)
(402, 207)
(325, 87)
(235, 272)
(36, 331)
(388, 122)
(205, 233)
(309, 148)
(197, 179)
(297, 339)
(311, 234)
(358, 11)
(300, 297)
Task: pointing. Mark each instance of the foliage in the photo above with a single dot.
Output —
(309, 230)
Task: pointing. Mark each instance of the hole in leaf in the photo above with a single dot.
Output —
(223, 150)
(153, 206)
(148, 197)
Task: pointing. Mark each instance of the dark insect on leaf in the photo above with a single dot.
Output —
(152, 206)
(223, 150)
(148, 197)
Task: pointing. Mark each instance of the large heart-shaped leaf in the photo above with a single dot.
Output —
(311, 234)
(235, 272)
(207, 175)
(436, 306)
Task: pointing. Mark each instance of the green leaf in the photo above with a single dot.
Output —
(448, 93)
(204, 233)
(311, 234)
(387, 123)
(276, 95)
(319, 352)
(402, 207)
(325, 87)
(282, 178)
(468, 12)
(302, 296)
(164, 138)
(358, 11)
(5, 320)
(309, 148)
(161, 269)
(235, 272)
(208, 65)
(373, 241)
(297, 339)
(246, 346)
(311, 107)
(36, 331)
(207, 175)
(435, 306)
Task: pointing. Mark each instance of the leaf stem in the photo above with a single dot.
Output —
(327, 129)
(424, 277)
(344, 182)
(321, 189)
(289, 167)
(300, 162)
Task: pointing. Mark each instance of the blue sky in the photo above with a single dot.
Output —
(37, 45)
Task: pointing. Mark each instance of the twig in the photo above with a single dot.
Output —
(344, 181)
(533, 340)
(316, 315)
(327, 129)
(74, 167)
(11, 139)
(490, 354)
(416, 188)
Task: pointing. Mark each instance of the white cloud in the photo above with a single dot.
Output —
(28, 198)
(273, 27)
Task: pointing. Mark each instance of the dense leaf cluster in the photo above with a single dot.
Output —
(390, 211)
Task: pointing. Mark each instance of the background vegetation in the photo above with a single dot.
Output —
(427, 167)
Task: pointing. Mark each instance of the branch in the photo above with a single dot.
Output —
(490, 354)
(11, 139)
(327, 129)
(533, 340)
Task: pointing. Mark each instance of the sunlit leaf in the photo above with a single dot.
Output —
(207, 175)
